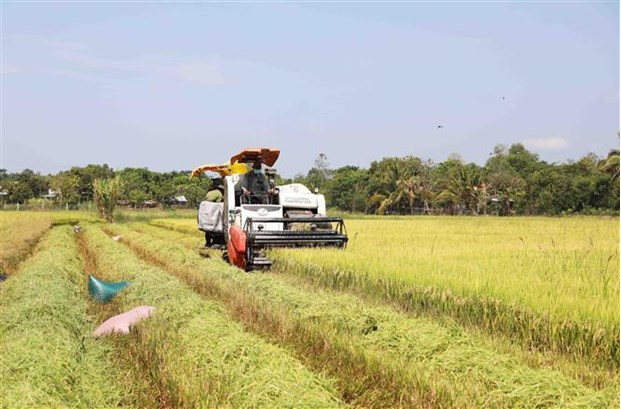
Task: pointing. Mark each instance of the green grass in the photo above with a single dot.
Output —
(48, 357)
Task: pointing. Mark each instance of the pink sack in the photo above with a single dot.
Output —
(122, 322)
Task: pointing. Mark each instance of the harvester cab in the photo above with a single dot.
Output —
(257, 215)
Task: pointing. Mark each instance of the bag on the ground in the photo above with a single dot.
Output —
(104, 291)
(123, 322)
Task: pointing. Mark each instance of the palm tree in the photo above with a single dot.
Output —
(611, 165)
(426, 194)
(375, 201)
(449, 199)
(466, 190)
(399, 183)
(406, 189)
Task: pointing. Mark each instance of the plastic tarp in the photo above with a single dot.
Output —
(226, 169)
(104, 291)
(210, 217)
(123, 322)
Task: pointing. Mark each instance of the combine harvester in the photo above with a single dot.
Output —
(279, 216)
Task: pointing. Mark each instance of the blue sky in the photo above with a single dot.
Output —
(174, 86)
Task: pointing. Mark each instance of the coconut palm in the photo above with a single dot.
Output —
(465, 190)
(611, 165)
(395, 183)
(406, 190)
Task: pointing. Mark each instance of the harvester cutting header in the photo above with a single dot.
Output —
(256, 215)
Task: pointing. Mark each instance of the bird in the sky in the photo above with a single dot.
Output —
(439, 126)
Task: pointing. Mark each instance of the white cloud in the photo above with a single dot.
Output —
(200, 72)
(93, 67)
(547, 143)
(65, 45)
(98, 63)
(9, 69)
(205, 73)
(75, 75)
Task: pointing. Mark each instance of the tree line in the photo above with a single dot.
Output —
(512, 181)
(75, 186)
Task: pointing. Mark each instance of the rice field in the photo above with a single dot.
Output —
(49, 358)
(416, 312)
(209, 360)
(552, 283)
(562, 267)
(19, 232)
(433, 357)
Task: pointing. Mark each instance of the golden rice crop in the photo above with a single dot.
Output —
(565, 266)
(554, 283)
(19, 232)
(180, 225)
(440, 359)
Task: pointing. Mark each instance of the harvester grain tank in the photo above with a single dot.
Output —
(277, 216)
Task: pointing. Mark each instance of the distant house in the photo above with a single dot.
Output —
(51, 194)
(150, 203)
(179, 201)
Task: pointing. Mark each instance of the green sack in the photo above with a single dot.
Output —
(102, 290)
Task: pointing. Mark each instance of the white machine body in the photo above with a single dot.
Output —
(294, 197)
